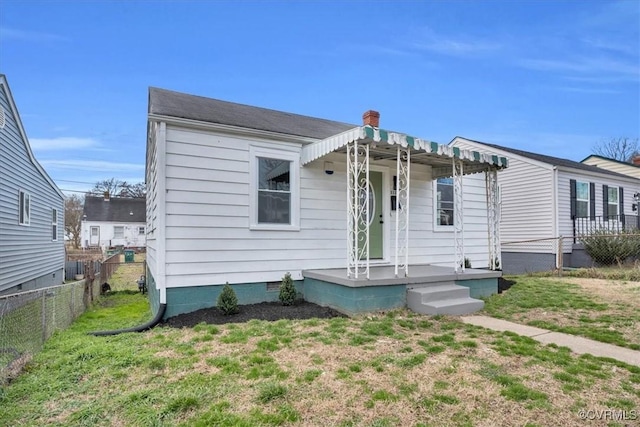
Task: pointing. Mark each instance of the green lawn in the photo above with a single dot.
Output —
(391, 369)
(602, 310)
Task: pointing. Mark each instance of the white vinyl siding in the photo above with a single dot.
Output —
(527, 199)
(211, 238)
(619, 167)
(564, 197)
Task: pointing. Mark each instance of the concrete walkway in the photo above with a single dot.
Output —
(576, 344)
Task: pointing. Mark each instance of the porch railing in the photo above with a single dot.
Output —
(612, 223)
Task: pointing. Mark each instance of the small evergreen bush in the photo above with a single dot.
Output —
(227, 300)
(609, 247)
(287, 290)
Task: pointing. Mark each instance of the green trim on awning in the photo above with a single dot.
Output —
(434, 147)
(456, 152)
(476, 156)
(411, 141)
(368, 131)
(384, 135)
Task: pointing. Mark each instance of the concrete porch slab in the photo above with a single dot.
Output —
(384, 275)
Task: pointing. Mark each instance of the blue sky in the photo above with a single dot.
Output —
(553, 77)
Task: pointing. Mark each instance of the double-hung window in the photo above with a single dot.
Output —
(274, 189)
(582, 199)
(118, 232)
(24, 208)
(444, 202)
(54, 225)
(612, 202)
(140, 230)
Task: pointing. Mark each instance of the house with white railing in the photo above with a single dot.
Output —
(543, 198)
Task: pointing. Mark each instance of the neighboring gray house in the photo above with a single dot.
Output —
(114, 221)
(31, 210)
(544, 197)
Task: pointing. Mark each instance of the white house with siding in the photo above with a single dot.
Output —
(544, 197)
(113, 221)
(31, 210)
(632, 169)
(242, 195)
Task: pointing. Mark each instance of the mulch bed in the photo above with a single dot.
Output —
(263, 311)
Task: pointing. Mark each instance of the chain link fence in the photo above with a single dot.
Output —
(28, 319)
(603, 248)
(607, 249)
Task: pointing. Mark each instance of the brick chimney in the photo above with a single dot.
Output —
(636, 160)
(106, 196)
(371, 118)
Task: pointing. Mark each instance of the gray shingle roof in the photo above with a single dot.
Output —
(555, 161)
(175, 104)
(117, 209)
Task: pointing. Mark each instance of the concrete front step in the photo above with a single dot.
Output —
(439, 292)
(446, 298)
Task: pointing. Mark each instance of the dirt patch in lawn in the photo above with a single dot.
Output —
(609, 291)
(263, 311)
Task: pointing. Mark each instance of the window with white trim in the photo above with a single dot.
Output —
(54, 224)
(582, 199)
(118, 232)
(444, 202)
(141, 230)
(613, 202)
(274, 189)
(24, 208)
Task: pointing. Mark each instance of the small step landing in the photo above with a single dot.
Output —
(442, 298)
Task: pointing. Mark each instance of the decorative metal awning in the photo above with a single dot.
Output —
(383, 146)
(365, 144)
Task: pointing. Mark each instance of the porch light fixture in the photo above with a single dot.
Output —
(328, 168)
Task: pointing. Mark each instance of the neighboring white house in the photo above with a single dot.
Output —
(544, 197)
(114, 221)
(625, 168)
(31, 210)
(242, 195)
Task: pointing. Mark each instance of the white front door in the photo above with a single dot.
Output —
(94, 236)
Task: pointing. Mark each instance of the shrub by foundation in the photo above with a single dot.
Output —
(227, 300)
(287, 290)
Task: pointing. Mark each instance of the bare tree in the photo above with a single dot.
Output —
(73, 207)
(134, 190)
(622, 148)
(118, 188)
